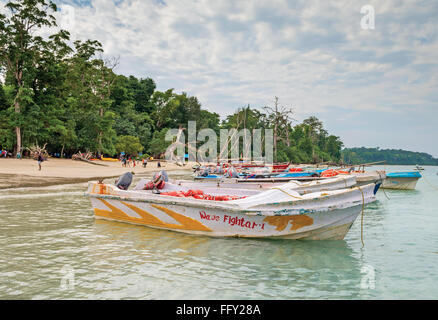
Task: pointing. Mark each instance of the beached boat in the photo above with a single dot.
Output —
(280, 212)
(401, 180)
(109, 159)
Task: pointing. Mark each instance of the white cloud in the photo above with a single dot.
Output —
(312, 54)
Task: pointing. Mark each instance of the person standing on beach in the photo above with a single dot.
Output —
(40, 160)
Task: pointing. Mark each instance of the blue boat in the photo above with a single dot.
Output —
(283, 177)
(401, 180)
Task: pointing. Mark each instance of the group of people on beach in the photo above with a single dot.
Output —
(5, 153)
(127, 161)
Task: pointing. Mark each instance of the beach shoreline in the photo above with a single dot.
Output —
(19, 173)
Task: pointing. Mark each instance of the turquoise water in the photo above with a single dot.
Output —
(53, 248)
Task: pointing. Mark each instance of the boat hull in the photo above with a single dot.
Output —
(400, 183)
(401, 180)
(365, 178)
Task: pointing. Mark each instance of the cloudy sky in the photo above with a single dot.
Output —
(372, 87)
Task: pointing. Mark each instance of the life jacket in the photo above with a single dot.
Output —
(199, 194)
(157, 182)
(332, 173)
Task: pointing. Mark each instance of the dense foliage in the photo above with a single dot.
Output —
(68, 98)
(390, 156)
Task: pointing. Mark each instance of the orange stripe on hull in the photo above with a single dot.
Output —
(147, 218)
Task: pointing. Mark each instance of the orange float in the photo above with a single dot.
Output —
(199, 194)
(332, 173)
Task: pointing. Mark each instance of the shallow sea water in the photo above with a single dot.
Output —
(51, 247)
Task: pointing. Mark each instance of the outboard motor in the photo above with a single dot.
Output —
(125, 181)
(205, 172)
(164, 174)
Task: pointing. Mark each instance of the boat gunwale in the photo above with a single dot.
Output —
(200, 203)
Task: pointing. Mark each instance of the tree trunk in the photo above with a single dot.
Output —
(99, 139)
(275, 142)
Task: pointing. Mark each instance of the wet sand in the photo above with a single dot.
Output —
(24, 173)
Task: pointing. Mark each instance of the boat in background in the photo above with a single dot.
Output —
(109, 159)
(300, 187)
(274, 168)
(362, 177)
(367, 177)
(261, 178)
(401, 180)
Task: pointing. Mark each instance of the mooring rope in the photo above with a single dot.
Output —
(381, 187)
(429, 182)
(361, 220)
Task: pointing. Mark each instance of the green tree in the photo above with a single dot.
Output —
(90, 80)
(6, 109)
(129, 144)
(21, 49)
(279, 119)
(158, 143)
(142, 90)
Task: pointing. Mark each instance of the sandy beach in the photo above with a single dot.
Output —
(16, 173)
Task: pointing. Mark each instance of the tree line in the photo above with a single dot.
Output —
(69, 97)
(390, 156)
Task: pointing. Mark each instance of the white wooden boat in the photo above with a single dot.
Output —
(367, 177)
(401, 180)
(279, 212)
(298, 186)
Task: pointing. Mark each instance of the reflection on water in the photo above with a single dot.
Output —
(228, 268)
(53, 248)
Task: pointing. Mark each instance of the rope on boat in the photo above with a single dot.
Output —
(429, 182)
(361, 220)
(288, 193)
(345, 181)
(384, 192)
(381, 187)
